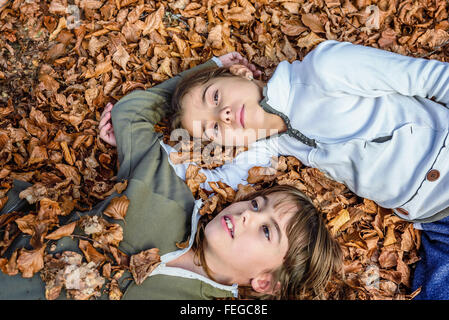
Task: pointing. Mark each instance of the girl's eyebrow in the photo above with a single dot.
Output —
(204, 93)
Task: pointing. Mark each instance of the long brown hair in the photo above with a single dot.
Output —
(312, 257)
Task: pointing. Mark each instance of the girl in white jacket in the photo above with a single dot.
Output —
(362, 116)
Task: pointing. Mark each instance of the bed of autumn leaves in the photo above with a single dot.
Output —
(61, 61)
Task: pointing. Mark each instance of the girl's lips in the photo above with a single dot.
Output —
(242, 117)
(225, 225)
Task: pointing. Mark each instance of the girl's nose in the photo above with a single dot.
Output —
(226, 115)
(246, 217)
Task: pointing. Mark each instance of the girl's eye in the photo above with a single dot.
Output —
(216, 97)
(266, 232)
(255, 205)
(216, 129)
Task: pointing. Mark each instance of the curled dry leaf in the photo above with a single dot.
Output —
(34, 193)
(121, 57)
(142, 264)
(26, 224)
(30, 261)
(69, 172)
(339, 221)
(194, 178)
(117, 208)
(62, 231)
(9, 267)
(102, 232)
(83, 282)
(91, 253)
(259, 174)
(49, 210)
(114, 290)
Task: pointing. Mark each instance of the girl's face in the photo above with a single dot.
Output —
(226, 110)
(248, 238)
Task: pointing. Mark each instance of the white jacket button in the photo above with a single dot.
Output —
(433, 175)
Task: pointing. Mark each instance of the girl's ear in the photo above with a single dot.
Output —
(264, 284)
(242, 71)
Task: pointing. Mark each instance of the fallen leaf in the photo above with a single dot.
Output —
(259, 174)
(30, 261)
(143, 263)
(91, 253)
(117, 208)
(339, 221)
(63, 231)
(9, 267)
(313, 22)
(121, 57)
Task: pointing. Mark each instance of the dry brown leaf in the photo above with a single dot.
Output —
(48, 210)
(309, 41)
(91, 253)
(3, 201)
(112, 234)
(30, 261)
(313, 22)
(143, 263)
(240, 14)
(9, 267)
(121, 57)
(114, 290)
(117, 208)
(49, 83)
(101, 68)
(388, 258)
(38, 154)
(69, 172)
(194, 178)
(82, 281)
(154, 20)
(390, 238)
(259, 174)
(292, 27)
(339, 221)
(63, 231)
(26, 224)
(68, 156)
(210, 205)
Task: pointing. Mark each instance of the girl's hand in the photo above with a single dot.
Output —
(242, 71)
(233, 58)
(105, 126)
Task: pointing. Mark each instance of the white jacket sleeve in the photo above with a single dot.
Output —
(234, 172)
(342, 67)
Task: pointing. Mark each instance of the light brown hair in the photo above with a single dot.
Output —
(312, 257)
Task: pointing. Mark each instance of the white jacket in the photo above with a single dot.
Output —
(368, 122)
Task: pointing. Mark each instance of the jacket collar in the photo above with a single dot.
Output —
(290, 131)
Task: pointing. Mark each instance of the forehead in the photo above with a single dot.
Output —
(193, 109)
(282, 206)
